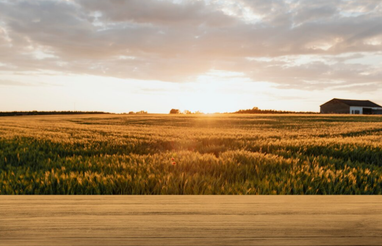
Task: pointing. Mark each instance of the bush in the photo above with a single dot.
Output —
(174, 111)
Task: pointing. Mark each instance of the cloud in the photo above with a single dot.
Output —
(19, 83)
(179, 41)
(191, 13)
(12, 83)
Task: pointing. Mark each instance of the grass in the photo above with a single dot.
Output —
(181, 154)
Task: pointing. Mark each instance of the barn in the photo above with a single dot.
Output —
(348, 106)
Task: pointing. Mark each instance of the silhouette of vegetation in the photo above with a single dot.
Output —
(141, 112)
(138, 112)
(19, 113)
(256, 110)
(174, 111)
(177, 111)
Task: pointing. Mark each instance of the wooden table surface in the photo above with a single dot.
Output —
(190, 220)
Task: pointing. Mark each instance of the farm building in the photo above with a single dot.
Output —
(347, 106)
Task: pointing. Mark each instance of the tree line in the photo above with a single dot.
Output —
(256, 110)
(177, 111)
(19, 113)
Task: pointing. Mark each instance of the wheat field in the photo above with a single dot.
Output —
(191, 154)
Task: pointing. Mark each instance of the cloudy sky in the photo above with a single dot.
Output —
(208, 55)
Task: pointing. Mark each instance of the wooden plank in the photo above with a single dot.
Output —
(190, 220)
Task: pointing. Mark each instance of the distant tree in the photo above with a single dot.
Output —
(198, 112)
(141, 112)
(174, 111)
(131, 112)
(186, 112)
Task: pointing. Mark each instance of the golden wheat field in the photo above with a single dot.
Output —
(191, 154)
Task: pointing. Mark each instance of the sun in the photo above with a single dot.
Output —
(210, 98)
(211, 93)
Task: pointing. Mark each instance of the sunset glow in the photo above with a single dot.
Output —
(197, 55)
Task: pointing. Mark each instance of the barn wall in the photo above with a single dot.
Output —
(377, 111)
(360, 110)
(334, 107)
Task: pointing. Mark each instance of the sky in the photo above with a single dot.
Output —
(207, 55)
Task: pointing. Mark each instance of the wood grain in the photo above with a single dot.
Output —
(190, 220)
